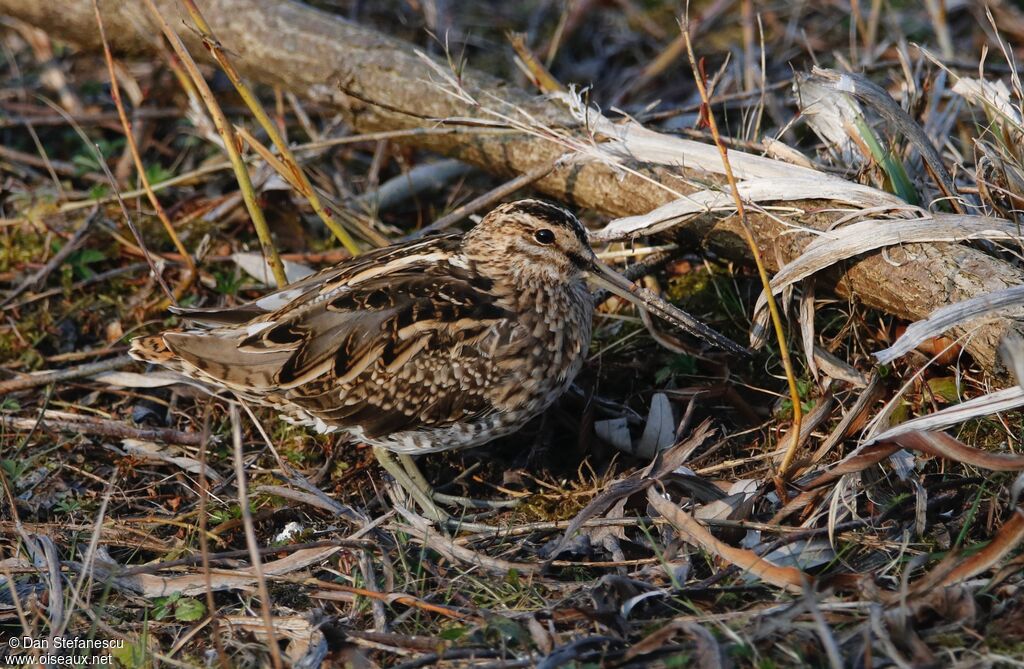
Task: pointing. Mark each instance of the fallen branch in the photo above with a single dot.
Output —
(58, 375)
(103, 428)
(377, 82)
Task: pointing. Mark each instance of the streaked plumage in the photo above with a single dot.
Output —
(443, 343)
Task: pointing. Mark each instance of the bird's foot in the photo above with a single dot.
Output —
(473, 503)
(409, 477)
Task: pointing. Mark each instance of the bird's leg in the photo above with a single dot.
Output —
(416, 475)
(406, 472)
(408, 476)
(413, 470)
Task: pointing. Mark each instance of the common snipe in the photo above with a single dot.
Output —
(443, 343)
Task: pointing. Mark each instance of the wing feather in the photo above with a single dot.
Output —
(394, 340)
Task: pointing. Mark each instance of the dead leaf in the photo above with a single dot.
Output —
(659, 430)
(709, 653)
(149, 450)
(615, 431)
(1007, 538)
(945, 446)
(135, 380)
(694, 533)
(255, 266)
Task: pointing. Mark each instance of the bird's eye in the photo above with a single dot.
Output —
(544, 236)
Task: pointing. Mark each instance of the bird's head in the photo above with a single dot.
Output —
(531, 240)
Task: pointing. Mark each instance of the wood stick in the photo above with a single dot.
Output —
(58, 375)
(106, 428)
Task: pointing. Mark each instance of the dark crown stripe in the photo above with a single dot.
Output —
(554, 214)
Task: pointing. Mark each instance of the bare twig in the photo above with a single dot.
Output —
(250, 538)
(58, 375)
(486, 200)
(105, 428)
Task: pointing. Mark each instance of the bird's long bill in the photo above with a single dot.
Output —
(617, 284)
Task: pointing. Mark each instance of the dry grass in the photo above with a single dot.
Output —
(121, 517)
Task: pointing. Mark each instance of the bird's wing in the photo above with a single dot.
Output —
(294, 295)
(402, 340)
(429, 363)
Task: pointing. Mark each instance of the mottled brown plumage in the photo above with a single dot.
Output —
(443, 343)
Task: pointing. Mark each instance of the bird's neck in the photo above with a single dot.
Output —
(542, 297)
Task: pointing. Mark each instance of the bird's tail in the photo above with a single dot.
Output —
(154, 349)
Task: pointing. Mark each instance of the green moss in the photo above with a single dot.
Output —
(25, 243)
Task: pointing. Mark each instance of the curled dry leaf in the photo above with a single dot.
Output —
(879, 99)
(694, 533)
(770, 189)
(1011, 350)
(938, 444)
(660, 429)
(857, 238)
(1010, 535)
(946, 317)
(1000, 400)
(615, 431)
(942, 445)
(830, 113)
(994, 96)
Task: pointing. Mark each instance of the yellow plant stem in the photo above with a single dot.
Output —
(299, 179)
(773, 308)
(228, 137)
